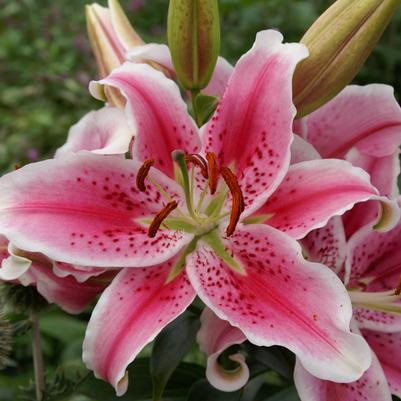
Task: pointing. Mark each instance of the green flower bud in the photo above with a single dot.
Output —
(339, 42)
(193, 30)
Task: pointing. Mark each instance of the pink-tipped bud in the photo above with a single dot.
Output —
(111, 36)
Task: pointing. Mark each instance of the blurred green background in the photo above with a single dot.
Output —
(46, 61)
(45, 66)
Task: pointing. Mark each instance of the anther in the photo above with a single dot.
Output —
(213, 171)
(397, 290)
(158, 219)
(142, 174)
(199, 161)
(238, 204)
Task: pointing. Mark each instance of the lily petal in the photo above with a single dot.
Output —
(80, 273)
(302, 151)
(364, 116)
(377, 320)
(372, 386)
(383, 172)
(156, 113)
(69, 294)
(224, 380)
(129, 315)
(314, 191)
(327, 245)
(215, 334)
(13, 266)
(94, 202)
(265, 302)
(214, 337)
(3, 248)
(256, 143)
(104, 132)
(160, 54)
(375, 257)
(36, 270)
(387, 347)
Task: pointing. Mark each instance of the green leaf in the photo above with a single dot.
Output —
(275, 358)
(205, 107)
(289, 394)
(170, 346)
(203, 391)
(62, 327)
(140, 387)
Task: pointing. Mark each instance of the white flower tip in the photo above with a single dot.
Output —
(122, 385)
(389, 215)
(14, 266)
(227, 380)
(97, 90)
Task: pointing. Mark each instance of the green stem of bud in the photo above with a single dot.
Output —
(37, 355)
(194, 94)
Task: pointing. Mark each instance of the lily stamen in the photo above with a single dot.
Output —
(160, 217)
(213, 171)
(199, 161)
(385, 301)
(238, 204)
(397, 290)
(142, 174)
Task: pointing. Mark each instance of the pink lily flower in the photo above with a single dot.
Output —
(180, 236)
(362, 125)
(73, 292)
(214, 337)
(367, 262)
(70, 286)
(373, 276)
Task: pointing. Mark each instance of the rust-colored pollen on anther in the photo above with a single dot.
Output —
(238, 204)
(142, 174)
(199, 161)
(213, 171)
(397, 290)
(158, 219)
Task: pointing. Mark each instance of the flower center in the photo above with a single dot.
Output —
(200, 219)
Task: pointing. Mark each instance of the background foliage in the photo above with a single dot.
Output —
(45, 66)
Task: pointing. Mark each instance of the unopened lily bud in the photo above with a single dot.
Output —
(193, 31)
(111, 36)
(339, 42)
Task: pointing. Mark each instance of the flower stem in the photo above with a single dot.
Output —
(194, 94)
(37, 356)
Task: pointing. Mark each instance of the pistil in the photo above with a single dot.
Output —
(179, 157)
